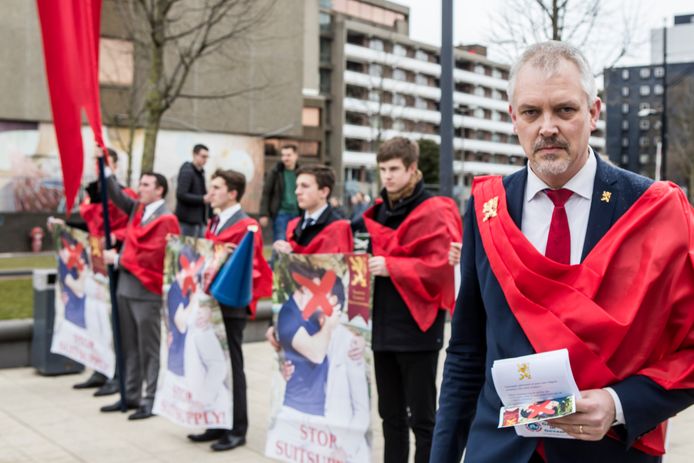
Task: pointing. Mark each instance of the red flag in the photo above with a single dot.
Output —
(70, 33)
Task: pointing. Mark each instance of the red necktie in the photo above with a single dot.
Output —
(559, 239)
(213, 224)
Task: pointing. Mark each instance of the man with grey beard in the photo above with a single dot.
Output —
(562, 255)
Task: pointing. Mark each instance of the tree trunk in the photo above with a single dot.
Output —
(555, 21)
(151, 131)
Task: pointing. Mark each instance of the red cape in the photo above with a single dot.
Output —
(335, 238)
(625, 310)
(417, 256)
(262, 274)
(94, 217)
(144, 248)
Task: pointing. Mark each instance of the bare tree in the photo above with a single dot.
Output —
(680, 128)
(604, 29)
(171, 38)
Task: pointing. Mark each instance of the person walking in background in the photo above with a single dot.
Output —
(279, 198)
(192, 201)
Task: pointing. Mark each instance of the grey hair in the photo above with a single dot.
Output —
(547, 56)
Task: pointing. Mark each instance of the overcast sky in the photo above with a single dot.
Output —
(472, 21)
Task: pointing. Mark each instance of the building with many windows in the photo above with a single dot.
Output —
(636, 95)
(379, 83)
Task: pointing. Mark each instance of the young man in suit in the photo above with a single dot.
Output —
(320, 229)
(570, 253)
(410, 232)
(229, 227)
(139, 293)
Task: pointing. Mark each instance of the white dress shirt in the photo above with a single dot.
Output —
(226, 215)
(537, 216)
(315, 216)
(150, 208)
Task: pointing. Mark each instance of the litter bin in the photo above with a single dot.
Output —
(44, 315)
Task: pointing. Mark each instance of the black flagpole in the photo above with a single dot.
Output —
(120, 370)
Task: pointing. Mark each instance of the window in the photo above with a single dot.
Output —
(421, 79)
(116, 66)
(324, 20)
(310, 117)
(644, 158)
(399, 100)
(644, 106)
(479, 91)
(374, 95)
(399, 74)
(479, 113)
(644, 124)
(496, 94)
(479, 69)
(625, 91)
(399, 125)
(644, 141)
(496, 73)
(496, 116)
(625, 124)
(659, 71)
(420, 103)
(658, 89)
(625, 142)
(625, 159)
(421, 55)
(375, 70)
(496, 138)
(625, 74)
(625, 108)
(645, 73)
(399, 50)
(376, 44)
(645, 90)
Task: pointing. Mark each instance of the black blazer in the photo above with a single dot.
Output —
(484, 330)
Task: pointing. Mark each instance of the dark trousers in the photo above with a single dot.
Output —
(140, 340)
(234, 329)
(406, 384)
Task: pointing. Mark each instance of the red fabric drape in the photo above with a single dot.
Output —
(70, 31)
(335, 238)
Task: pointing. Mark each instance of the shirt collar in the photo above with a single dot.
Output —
(151, 207)
(581, 183)
(316, 215)
(227, 213)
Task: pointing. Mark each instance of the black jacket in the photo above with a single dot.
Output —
(190, 192)
(273, 189)
(394, 328)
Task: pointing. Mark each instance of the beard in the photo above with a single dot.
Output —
(550, 164)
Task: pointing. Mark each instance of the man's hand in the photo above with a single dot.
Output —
(454, 254)
(377, 266)
(282, 246)
(230, 247)
(595, 413)
(264, 221)
(207, 199)
(270, 336)
(110, 256)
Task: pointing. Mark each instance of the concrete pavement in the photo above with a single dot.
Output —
(42, 419)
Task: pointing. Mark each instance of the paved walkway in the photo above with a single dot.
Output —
(42, 419)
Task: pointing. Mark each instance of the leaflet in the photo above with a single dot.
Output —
(534, 390)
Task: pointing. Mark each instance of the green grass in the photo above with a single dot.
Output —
(27, 261)
(16, 299)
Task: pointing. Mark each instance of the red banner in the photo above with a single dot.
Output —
(70, 31)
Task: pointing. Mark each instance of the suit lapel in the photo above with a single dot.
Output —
(602, 206)
(157, 212)
(515, 194)
(235, 217)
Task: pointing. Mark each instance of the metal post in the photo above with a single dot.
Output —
(446, 103)
(663, 113)
(120, 367)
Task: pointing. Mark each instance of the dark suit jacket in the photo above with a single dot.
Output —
(128, 284)
(484, 330)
